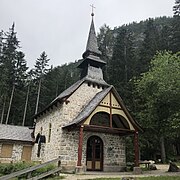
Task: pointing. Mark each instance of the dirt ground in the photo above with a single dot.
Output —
(162, 170)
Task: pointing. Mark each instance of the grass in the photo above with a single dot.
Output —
(160, 178)
(145, 178)
(56, 178)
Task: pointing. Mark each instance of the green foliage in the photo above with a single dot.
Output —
(149, 46)
(13, 167)
(128, 51)
(175, 35)
(146, 178)
(159, 91)
(13, 74)
(106, 42)
(43, 170)
(123, 62)
(40, 68)
(160, 178)
(176, 8)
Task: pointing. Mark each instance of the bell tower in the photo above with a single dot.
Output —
(91, 66)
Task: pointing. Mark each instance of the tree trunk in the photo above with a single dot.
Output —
(163, 152)
(25, 108)
(125, 59)
(56, 90)
(2, 114)
(37, 102)
(10, 103)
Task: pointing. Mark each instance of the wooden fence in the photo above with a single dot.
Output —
(33, 168)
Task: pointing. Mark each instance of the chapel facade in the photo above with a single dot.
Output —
(86, 125)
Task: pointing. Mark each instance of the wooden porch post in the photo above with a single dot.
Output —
(80, 146)
(136, 148)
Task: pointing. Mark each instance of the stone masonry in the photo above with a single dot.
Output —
(58, 117)
(64, 143)
(16, 153)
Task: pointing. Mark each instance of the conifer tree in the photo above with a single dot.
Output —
(39, 72)
(106, 42)
(13, 66)
(149, 47)
(123, 60)
(176, 27)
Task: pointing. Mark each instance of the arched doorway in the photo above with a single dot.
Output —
(94, 155)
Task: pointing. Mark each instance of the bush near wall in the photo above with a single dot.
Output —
(13, 167)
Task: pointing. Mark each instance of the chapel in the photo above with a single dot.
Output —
(86, 125)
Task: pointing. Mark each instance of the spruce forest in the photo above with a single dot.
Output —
(143, 63)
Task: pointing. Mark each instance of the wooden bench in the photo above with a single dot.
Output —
(146, 163)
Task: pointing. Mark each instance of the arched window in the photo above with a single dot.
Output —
(100, 119)
(119, 121)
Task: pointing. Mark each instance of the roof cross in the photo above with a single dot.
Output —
(92, 14)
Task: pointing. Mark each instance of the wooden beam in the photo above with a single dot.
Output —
(104, 129)
(80, 146)
(136, 148)
(110, 99)
(106, 106)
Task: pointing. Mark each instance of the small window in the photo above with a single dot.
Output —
(49, 135)
(26, 153)
(6, 151)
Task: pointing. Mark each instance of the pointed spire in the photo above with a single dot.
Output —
(91, 66)
(92, 47)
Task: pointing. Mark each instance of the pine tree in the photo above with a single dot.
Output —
(176, 8)
(176, 27)
(165, 38)
(149, 47)
(39, 72)
(123, 60)
(106, 42)
(13, 66)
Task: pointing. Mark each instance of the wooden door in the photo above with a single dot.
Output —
(94, 156)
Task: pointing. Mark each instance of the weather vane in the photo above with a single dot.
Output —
(92, 14)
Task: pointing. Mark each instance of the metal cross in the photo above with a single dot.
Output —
(92, 7)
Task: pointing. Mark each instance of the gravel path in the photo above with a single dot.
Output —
(161, 171)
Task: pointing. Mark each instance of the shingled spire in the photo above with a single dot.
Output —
(92, 64)
(92, 47)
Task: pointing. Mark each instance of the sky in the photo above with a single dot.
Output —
(61, 27)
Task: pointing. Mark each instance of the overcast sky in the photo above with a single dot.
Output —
(60, 27)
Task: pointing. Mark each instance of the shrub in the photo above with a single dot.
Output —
(10, 168)
(43, 170)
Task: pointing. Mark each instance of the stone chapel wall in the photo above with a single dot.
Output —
(58, 117)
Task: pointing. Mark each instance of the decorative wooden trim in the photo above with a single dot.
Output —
(104, 106)
(111, 107)
(80, 146)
